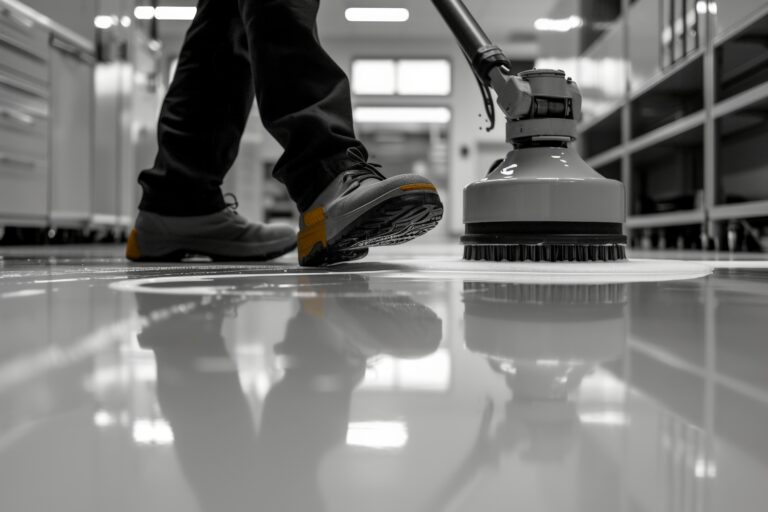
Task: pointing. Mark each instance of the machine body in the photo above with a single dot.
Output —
(542, 202)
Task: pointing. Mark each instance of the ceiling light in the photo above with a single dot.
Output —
(439, 115)
(377, 14)
(558, 25)
(166, 13)
(104, 22)
(175, 13)
(144, 12)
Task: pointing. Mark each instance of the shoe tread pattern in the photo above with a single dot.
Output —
(396, 221)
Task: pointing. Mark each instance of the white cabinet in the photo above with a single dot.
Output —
(46, 121)
(71, 133)
(24, 95)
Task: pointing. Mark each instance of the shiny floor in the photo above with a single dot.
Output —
(407, 382)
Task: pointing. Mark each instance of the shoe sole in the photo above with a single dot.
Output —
(181, 251)
(394, 221)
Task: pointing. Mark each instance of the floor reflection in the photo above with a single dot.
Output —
(249, 388)
(542, 340)
(230, 462)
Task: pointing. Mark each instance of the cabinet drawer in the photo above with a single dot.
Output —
(24, 65)
(24, 33)
(23, 96)
(28, 136)
(23, 185)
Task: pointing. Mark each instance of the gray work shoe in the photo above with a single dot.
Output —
(360, 209)
(222, 236)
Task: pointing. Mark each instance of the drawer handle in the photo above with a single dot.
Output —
(21, 21)
(15, 115)
(68, 48)
(17, 162)
(23, 86)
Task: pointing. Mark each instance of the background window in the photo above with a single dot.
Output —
(403, 77)
(373, 77)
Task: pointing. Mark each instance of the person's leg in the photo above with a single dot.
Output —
(182, 211)
(303, 95)
(305, 103)
(203, 115)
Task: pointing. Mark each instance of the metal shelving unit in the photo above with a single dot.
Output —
(694, 100)
(676, 218)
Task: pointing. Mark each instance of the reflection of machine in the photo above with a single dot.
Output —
(543, 339)
(543, 202)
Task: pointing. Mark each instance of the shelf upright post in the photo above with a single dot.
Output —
(626, 115)
(710, 134)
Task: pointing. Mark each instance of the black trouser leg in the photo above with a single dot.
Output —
(303, 96)
(203, 115)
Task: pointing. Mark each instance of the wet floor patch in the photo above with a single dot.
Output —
(271, 282)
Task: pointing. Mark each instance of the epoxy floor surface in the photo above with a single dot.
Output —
(407, 382)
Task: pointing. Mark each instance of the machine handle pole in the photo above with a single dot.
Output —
(465, 28)
(480, 51)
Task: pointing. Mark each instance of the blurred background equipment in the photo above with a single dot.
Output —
(674, 102)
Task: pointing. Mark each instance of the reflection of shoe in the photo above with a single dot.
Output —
(387, 324)
(351, 323)
(361, 208)
(222, 236)
(362, 323)
(184, 324)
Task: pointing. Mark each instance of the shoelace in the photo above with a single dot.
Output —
(361, 169)
(234, 204)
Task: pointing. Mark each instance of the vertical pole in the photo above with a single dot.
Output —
(626, 113)
(710, 133)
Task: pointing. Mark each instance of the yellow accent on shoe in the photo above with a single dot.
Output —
(314, 306)
(313, 232)
(312, 217)
(132, 251)
(418, 186)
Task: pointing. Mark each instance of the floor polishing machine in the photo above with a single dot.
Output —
(542, 202)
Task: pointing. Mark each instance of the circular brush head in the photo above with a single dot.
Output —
(546, 252)
(544, 241)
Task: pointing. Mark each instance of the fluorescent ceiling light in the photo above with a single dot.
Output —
(175, 13)
(104, 22)
(166, 13)
(377, 14)
(438, 115)
(144, 12)
(558, 25)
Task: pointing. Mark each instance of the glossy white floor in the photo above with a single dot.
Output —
(408, 382)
